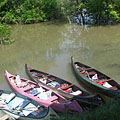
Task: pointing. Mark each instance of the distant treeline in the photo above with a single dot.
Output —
(25, 11)
(30, 11)
(97, 12)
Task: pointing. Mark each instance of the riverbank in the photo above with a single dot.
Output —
(25, 12)
(109, 111)
(80, 12)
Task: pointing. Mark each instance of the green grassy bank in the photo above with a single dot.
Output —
(109, 111)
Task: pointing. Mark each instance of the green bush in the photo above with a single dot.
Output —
(28, 11)
(5, 34)
(99, 11)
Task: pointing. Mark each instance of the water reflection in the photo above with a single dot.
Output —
(48, 47)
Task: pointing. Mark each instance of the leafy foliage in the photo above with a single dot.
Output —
(28, 11)
(100, 11)
(5, 33)
(25, 11)
(103, 11)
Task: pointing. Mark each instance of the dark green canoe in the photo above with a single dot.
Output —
(95, 80)
(83, 98)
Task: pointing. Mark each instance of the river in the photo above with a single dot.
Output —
(48, 47)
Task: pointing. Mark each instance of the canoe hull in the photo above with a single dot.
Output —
(46, 102)
(13, 113)
(57, 90)
(21, 91)
(92, 85)
(66, 95)
(82, 98)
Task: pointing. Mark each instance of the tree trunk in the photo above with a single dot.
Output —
(81, 13)
(77, 2)
(83, 19)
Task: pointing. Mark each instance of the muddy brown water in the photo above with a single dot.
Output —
(49, 47)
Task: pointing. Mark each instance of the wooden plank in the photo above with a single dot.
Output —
(114, 88)
(102, 80)
(92, 73)
(84, 69)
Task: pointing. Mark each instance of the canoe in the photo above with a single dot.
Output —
(21, 107)
(63, 87)
(41, 94)
(95, 80)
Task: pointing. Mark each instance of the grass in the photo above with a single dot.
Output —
(109, 111)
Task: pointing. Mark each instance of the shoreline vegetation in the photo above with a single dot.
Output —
(93, 12)
(25, 12)
(108, 111)
(5, 34)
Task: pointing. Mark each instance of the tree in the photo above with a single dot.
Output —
(100, 11)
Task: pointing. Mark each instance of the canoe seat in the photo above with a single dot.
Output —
(83, 73)
(83, 68)
(22, 84)
(114, 88)
(90, 73)
(42, 75)
(28, 87)
(52, 78)
(87, 68)
(39, 75)
(52, 98)
(103, 80)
